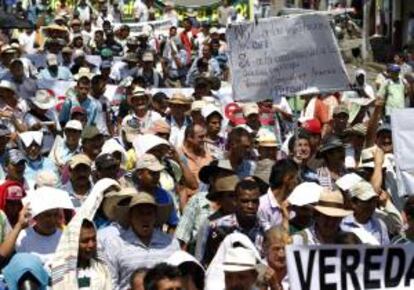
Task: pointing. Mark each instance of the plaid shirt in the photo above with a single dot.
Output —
(195, 213)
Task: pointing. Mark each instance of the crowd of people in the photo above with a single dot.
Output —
(165, 184)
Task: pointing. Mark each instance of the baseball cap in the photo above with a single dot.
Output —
(74, 124)
(105, 160)
(78, 109)
(312, 126)
(148, 56)
(90, 132)
(7, 85)
(138, 92)
(79, 159)
(14, 192)
(14, 156)
(394, 68)
(130, 126)
(4, 130)
(363, 190)
(249, 109)
(342, 108)
(150, 162)
(51, 59)
(208, 110)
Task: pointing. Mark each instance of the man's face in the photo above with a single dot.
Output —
(33, 151)
(92, 147)
(267, 152)
(173, 32)
(4, 140)
(16, 70)
(336, 156)
(16, 171)
(47, 222)
(148, 178)
(340, 122)
(139, 103)
(384, 141)
(302, 150)
(327, 225)
(291, 179)
(214, 125)
(178, 110)
(80, 174)
(363, 210)
(253, 121)
(109, 172)
(197, 140)
(275, 252)
(243, 280)
(227, 201)
(248, 203)
(72, 137)
(187, 25)
(206, 52)
(142, 220)
(303, 215)
(397, 59)
(87, 243)
(243, 148)
(170, 284)
(83, 88)
(160, 106)
(99, 87)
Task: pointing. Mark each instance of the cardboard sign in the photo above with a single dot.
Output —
(284, 55)
(350, 267)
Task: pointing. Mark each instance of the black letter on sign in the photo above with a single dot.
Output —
(371, 266)
(399, 254)
(350, 268)
(409, 274)
(305, 282)
(326, 269)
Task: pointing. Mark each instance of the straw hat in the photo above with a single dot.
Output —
(239, 259)
(140, 198)
(331, 203)
(112, 204)
(222, 184)
(215, 167)
(179, 99)
(83, 73)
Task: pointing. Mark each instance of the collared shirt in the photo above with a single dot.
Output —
(213, 68)
(195, 213)
(177, 133)
(394, 94)
(269, 213)
(34, 167)
(90, 105)
(374, 232)
(219, 229)
(60, 153)
(126, 253)
(63, 74)
(216, 148)
(326, 179)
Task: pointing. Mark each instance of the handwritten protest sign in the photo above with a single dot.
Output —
(284, 55)
(350, 267)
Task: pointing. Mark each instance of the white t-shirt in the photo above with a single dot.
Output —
(29, 241)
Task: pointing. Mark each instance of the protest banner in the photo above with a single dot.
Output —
(329, 267)
(160, 26)
(284, 55)
(403, 142)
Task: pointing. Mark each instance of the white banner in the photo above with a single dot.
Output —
(403, 142)
(158, 26)
(284, 55)
(350, 267)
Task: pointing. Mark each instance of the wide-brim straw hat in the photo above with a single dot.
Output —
(180, 99)
(331, 203)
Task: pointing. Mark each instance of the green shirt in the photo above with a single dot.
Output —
(394, 95)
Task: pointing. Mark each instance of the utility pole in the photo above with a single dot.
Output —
(366, 46)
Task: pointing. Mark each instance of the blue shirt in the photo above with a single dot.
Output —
(90, 105)
(33, 167)
(63, 74)
(164, 197)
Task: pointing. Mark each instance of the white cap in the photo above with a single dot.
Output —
(74, 124)
(363, 190)
(51, 59)
(206, 111)
(46, 198)
(239, 259)
(250, 108)
(305, 193)
(348, 180)
(29, 137)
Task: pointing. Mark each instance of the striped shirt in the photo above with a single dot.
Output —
(126, 253)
